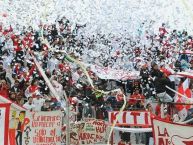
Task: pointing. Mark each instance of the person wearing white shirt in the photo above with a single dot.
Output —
(29, 105)
(38, 102)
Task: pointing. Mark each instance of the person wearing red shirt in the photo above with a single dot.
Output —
(4, 89)
(136, 99)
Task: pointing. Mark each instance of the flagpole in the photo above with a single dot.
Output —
(176, 92)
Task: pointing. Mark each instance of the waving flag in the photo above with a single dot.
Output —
(184, 90)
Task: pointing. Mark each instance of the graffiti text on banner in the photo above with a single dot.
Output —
(131, 118)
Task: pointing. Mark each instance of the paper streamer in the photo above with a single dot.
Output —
(114, 123)
(46, 79)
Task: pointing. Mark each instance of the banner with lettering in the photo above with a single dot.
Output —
(131, 118)
(4, 123)
(88, 132)
(17, 121)
(44, 128)
(166, 133)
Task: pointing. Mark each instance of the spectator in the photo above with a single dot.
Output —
(137, 100)
(2, 72)
(162, 92)
(29, 104)
(38, 101)
(46, 106)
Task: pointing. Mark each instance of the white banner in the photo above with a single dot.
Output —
(44, 128)
(114, 74)
(166, 133)
(131, 118)
(4, 123)
(88, 132)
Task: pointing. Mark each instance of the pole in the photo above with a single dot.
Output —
(176, 92)
(67, 123)
(67, 119)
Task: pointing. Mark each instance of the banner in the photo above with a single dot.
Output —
(17, 121)
(88, 132)
(43, 128)
(4, 123)
(166, 133)
(114, 74)
(131, 118)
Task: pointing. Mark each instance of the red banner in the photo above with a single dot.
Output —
(131, 118)
(4, 123)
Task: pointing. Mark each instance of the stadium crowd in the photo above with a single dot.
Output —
(158, 56)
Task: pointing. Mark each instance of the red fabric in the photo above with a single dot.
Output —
(7, 31)
(64, 67)
(119, 97)
(4, 91)
(158, 109)
(12, 134)
(33, 89)
(167, 118)
(165, 71)
(30, 73)
(6, 125)
(184, 90)
(134, 99)
(27, 41)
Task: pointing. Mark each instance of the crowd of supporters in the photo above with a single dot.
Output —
(158, 56)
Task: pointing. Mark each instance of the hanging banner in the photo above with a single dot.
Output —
(166, 133)
(131, 118)
(17, 121)
(4, 123)
(44, 128)
(88, 132)
(114, 74)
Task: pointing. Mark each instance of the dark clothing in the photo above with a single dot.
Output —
(161, 83)
(2, 74)
(184, 57)
(144, 73)
(148, 135)
(156, 73)
(45, 109)
(19, 135)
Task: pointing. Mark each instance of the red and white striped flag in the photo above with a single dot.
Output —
(184, 90)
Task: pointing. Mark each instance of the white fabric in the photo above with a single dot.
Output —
(183, 114)
(29, 107)
(175, 134)
(133, 130)
(164, 97)
(38, 103)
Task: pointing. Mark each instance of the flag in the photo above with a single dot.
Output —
(184, 90)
